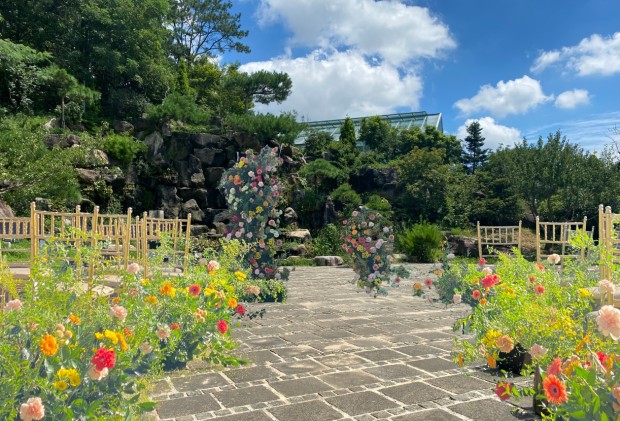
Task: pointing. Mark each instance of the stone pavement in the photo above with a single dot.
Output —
(334, 353)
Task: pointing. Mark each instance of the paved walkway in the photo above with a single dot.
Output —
(334, 353)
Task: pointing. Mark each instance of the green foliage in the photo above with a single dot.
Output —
(178, 107)
(316, 143)
(475, 155)
(345, 198)
(328, 242)
(421, 242)
(262, 86)
(283, 128)
(122, 148)
(376, 133)
(323, 175)
(310, 207)
(379, 204)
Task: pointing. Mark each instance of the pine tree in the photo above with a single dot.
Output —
(475, 154)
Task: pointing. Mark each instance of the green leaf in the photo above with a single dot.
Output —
(146, 406)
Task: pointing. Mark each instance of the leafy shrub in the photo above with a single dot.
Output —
(380, 204)
(122, 148)
(178, 107)
(323, 175)
(328, 242)
(345, 198)
(421, 242)
(283, 128)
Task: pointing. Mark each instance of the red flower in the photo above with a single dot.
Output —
(482, 262)
(194, 290)
(104, 358)
(503, 390)
(175, 326)
(476, 294)
(540, 267)
(128, 332)
(532, 278)
(489, 281)
(555, 390)
(428, 282)
(240, 309)
(222, 326)
(556, 367)
(539, 289)
(602, 357)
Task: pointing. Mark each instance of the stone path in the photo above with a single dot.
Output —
(334, 353)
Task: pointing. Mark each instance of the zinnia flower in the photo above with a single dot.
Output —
(213, 265)
(556, 367)
(428, 282)
(240, 276)
(163, 332)
(240, 310)
(417, 286)
(133, 268)
(48, 345)
(232, 303)
(539, 289)
(13, 305)
(175, 326)
(537, 351)
(502, 390)
(476, 294)
(33, 409)
(504, 343)
(95, 374)
(489, 281)
(222, 326)
(146, 348)
(194, 290)
(482, 262)
(555, 390)
(74, 319)
(167, 289)
(608, 321)
(104, 358)
(119, 312)
(554, 259)
(487, 271)
(456, 298)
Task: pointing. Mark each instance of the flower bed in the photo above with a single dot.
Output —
(72, 353)
(546, 310)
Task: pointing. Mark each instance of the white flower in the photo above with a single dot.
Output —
(537, 351)
(607, 286)
(554, 259)
(95, 374)
(456, 298)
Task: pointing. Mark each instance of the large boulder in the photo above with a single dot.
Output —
(384, 180)
(191, 207)
(211, 157)
(155, 144)
(328, 260)
(169, 201)
(202, 140)
(121, 126)
(5, 210)
(301, 235)
(289, 217)
(87, 176)
(463, 246)
(213, 175)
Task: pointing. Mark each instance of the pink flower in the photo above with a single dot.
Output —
(133, 268)
(456, 298)
(502, 390)
(482, 262)
(556, 367)
(222, 326)
(119, 312)
(606, 286)
(33, 409)
(14, 305)
(163, 332)
(428, 282)
(608, 321)
(487, 271)
(213, 265)
(537, 351)
(95, 374)
(489, 281)
(475, 294)
(146, 348)
(504, 343)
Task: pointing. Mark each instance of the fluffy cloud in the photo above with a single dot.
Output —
(512, 97)
(329, 85)
(595, 55)
(391, 30)
(570, 99)
(493, 133)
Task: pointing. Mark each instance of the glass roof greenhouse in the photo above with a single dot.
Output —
(400, 121)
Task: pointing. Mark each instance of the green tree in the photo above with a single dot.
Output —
(317, 142)
(283, 128)
(375, 133)
(263, 87)
(323, 175)
(475, 154)
(345, 151)
(205, 28)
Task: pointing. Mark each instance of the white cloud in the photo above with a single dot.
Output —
(329, 85)
(545, 59)
(493, 133)
(595, 55)
(513, 97)
(571, 99)
(394, 31)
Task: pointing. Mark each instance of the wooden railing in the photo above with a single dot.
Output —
(498, 236)
(557, 236)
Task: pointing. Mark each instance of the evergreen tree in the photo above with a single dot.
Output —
(475, 155)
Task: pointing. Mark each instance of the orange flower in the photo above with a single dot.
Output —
(491, 361)
(555, 367)
(483, 301)
(476, 294)
(74, 319)
(48, 345)
(167, 289)
(417, 286)
(476, 281)
(116, 300)
(539, 289)
(555, 390)
(504, 343)
(460, 360)
(232, 303)
(151, 299)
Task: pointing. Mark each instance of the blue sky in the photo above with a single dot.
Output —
(522, 68)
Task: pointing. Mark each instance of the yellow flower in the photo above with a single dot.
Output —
(61, 385)
(232, 303)
(360, 248)
(476, 281)
(417, 286)
(111, 336)
(490, 337)
(265, 203)
(121, 339)
(240, 276)
(584, 293)
(240, 164)
(144, 282)
(365, 255)
(99, 335)
(460, 360)
(259, 209)
(74, 319)
(48, 345)
(209, 291)
(70, 374)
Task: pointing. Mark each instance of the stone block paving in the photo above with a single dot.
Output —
(333, 352)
